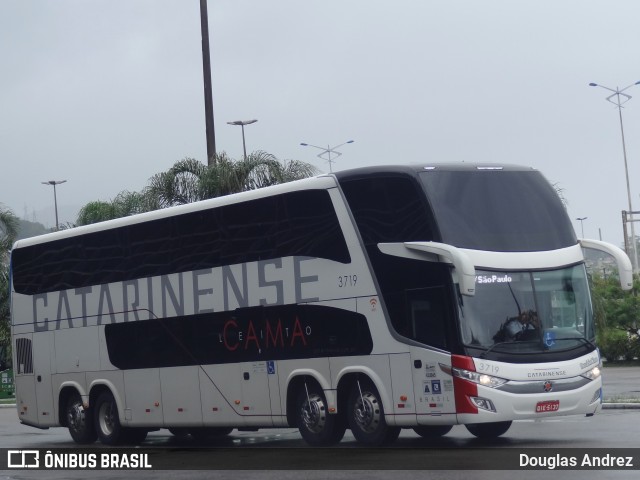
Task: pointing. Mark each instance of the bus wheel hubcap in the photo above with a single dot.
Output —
(367, 412)
(313, 414)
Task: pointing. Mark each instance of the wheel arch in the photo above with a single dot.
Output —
(98, 388)
(67, 390)
(295, 382)
(349, 377)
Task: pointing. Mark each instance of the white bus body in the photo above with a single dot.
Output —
(373, 299)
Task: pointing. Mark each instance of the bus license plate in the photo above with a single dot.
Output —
(548, 406)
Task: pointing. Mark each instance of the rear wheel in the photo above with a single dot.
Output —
(316, 426)
(80, 421)
(366, 416)
(432, 431)
(488, 430)
(107, 422)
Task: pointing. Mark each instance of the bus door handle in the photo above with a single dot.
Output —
(417, 363)
(245, 375)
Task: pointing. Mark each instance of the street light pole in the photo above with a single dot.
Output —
(328, 151)
(582, 219)
(242, 123)
(55, 197)
(206, 75)
(618, 102)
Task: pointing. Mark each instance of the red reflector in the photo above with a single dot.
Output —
(148, 410)
(215, 409)
(246, 408)
(181, 410)
(461, 361)
(432, 405)
(401, 405)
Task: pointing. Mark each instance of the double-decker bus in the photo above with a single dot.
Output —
(372, 299)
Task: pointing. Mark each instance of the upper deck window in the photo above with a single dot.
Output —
(498, 210)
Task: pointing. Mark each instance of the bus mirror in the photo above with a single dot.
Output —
(625, 270)
(437, 252)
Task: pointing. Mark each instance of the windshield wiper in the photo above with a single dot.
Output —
(486, 352)
(580, 339)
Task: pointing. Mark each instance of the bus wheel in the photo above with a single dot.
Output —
(432, 431)
(316, 426)
(80, 421)
(134, 436)
(202, 434)
(488, 430)
(107, 422)
(366, 416)
(179, 432)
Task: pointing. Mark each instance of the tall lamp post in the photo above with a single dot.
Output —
(242, 123)
(55, 197)
(581, 220)
(616, 99)
(327, 152)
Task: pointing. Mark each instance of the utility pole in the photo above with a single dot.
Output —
(208, 96)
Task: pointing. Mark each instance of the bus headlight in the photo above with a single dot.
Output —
(593, 373)
(479, 378)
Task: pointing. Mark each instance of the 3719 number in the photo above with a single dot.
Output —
(347, 281)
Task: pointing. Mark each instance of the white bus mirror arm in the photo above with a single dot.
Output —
(625, 269)
(437, 252)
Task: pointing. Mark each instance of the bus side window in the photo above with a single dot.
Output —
(425, 311)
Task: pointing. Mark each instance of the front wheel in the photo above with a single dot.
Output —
(366, 416)
(80, 421)
(316, 426)
(488, 430)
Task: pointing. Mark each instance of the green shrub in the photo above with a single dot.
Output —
(616, 345)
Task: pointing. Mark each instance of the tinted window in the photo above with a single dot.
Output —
(389, 209)
(502, 211)
(251, 334)
(416, 293)
(300, 223)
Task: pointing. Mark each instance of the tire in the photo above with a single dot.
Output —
(365, 414)
(80, 421)
(134, 436)
(209, 433)
(106, 420)
(488, 430)
(179, 432)
(432, 431)
(316, 426)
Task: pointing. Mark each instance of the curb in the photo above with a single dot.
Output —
(621, 406)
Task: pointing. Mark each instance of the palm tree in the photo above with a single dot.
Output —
(189, 180)
(8, 233)
(8, 230)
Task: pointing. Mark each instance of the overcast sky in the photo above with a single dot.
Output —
(106, 93)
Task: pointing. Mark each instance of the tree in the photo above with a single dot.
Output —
(8, 233)
(616, 315)
(189, 180)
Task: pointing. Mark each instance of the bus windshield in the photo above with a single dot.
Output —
(528, 312)
(499, 211)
